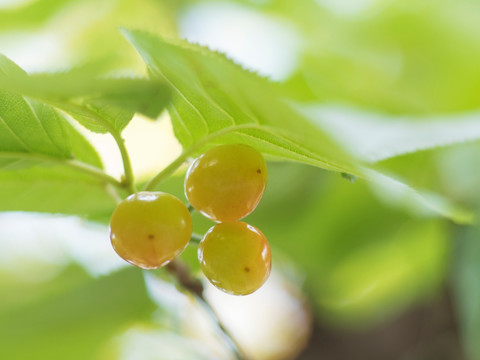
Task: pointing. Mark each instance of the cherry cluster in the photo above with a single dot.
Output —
(225, 184)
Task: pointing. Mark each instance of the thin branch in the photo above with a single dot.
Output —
(111, 191)
(74, 164)
(170, 169)
(182, 274)
(195, 239)
(129, 180)
(68, 106)
(226, 333)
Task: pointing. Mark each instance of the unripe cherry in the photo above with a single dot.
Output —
(227, 182)
(150, 229)
(235, 257)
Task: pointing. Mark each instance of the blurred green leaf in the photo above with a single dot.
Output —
(31, 14)
(371, 137)
(374, 137)
(417, 201)
(73, 317)
(450, 171)
(55, 190)
(99, 103)
(364, 260)
(415, 57)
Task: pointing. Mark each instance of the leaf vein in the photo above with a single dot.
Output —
(15, 136)
(180, 120)
(195, 109)
(35, 115)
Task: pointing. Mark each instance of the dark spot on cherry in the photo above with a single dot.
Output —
(259, 171)
(151, 236)
(247, 269)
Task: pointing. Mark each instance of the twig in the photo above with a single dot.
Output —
(170, 169)
(128, 181)
(196, 238)
(182, 274)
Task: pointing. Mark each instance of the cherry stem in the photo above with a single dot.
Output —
(129, 180)
(185, 155)
(181, 272)
(228, 336)
(196, 238)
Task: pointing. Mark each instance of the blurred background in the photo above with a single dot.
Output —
(358, 273)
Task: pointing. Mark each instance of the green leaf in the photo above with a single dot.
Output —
(100, 104)
(29, 127)
(405, 59)
(419, 202)
(33, 133)
(55, 189)
(71, 317)
(374, 137)
(365, 261)
(46, 165)
(30, 15)
(215, 100)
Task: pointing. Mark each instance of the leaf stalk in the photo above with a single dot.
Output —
(71, 163)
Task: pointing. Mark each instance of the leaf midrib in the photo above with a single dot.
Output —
(35, 115)
(16, 136)
(81, 167)
(255, 124)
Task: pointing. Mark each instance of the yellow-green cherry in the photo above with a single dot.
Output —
(227, 182)
(150, 229)
(235, 257)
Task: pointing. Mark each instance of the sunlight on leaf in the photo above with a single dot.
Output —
(213, 96)
(99, 103)
(374, 137)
